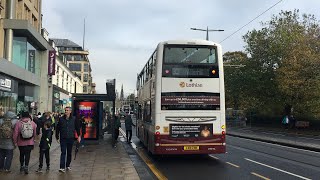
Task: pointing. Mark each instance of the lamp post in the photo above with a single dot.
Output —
(207, 30)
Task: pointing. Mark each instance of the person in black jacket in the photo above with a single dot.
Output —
(40, 122)
(45, 144)
(65, 129)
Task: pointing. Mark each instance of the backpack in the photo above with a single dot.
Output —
(6, 129)
(26, 130)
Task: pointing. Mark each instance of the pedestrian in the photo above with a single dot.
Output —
(6, 140)
(39, 115)
(56, 119)
(44, 146)
(65, 135)
(128, 124)
(117, 125)
(83, 129)
(46, 117)
(288, 121)
(23, 137)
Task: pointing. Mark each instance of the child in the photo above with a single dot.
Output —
(45, 144)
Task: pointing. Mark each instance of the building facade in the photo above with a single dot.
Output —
(65, 83)
(76, 58)
(24, 52)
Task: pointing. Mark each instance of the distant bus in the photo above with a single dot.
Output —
(182, 100)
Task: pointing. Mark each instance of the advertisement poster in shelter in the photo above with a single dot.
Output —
(89, 110)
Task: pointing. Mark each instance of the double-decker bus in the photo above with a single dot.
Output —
(182, 100)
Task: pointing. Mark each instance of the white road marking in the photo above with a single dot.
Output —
(277, 169)
(279, 145)
(213, 157)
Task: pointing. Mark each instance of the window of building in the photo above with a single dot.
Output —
(85, 88)
(25, 55)
(78, 57)
(62, 80)
(57, 75)
(69, 57)
(85, 77)
(86, 67)
(75, 66)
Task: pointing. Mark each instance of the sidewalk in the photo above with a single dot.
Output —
(282, 137)
(96, 161)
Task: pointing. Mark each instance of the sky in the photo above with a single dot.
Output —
(121, 35)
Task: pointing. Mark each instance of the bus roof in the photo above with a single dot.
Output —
(190, 41)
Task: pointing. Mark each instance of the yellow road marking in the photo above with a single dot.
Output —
(260, 176)
(233, 164)
(149, 163)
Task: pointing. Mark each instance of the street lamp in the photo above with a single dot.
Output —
(207, 38)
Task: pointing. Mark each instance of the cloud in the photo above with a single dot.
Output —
(122, 34)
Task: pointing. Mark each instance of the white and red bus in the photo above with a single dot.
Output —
(182, 99)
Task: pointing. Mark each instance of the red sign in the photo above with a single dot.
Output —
(52, 63)
(90, 112)
(197, 100)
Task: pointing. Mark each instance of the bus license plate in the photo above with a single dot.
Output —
(191, 148)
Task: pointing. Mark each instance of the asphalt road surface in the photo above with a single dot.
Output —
(245, 159)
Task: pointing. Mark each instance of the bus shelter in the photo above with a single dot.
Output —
(90, 106)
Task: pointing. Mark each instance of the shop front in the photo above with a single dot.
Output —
(61, 99)
(8, 94)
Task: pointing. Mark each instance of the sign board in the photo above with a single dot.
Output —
(5, 84)
(191, 130)
(90, 112)
(52, 63)
(184, 100)
(31, 60)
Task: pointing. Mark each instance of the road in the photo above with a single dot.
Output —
(245, 159)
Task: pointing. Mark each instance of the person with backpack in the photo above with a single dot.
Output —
(23, 136)
(6, 142)
(44, 146)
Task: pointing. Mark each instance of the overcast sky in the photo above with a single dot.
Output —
(122, 34)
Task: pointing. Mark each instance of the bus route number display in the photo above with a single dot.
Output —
(191, 130)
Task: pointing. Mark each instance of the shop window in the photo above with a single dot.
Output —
(8, 102)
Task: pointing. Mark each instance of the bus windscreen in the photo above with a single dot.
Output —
(190, 55)
(190, 62)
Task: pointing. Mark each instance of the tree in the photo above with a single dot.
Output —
(284, 55)
(234, 78)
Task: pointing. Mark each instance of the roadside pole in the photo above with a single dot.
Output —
(111, 92)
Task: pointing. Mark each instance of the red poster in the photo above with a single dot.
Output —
(90, 112)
